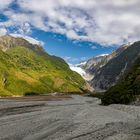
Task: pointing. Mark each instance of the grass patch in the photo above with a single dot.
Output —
(28, 71)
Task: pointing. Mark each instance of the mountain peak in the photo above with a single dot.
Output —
(8, 41)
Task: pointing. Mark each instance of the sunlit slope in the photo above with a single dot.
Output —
(27, 70)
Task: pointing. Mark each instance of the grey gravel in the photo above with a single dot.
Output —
(79, 118)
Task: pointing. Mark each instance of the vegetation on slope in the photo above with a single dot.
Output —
(26, 70)
(127, 90)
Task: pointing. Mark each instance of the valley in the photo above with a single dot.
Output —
(69, 70)
(42, 97)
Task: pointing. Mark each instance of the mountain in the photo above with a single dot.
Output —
(7, 42)
(118, 64)
(92, 67)
(26, 68)
(94, 64)
(127, 90)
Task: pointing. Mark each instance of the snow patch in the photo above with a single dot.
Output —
(77, 69)
(81, 71)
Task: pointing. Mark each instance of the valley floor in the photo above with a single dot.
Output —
(76, 118)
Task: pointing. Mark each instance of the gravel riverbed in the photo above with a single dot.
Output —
(76, 118)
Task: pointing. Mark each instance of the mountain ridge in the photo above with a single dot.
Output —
(8, 41)
(27, 68)
(116, 67)
(126, 90)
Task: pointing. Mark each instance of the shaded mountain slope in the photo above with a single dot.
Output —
(126, 90)
(94, 64)
(116, 68)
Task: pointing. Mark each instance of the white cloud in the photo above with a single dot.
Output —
(69, 59)
(30, 39)
(106, 22)
(72, 34)
(5, 3)
(105, 54)
(3, 31)
(73, 60)
(94, 47)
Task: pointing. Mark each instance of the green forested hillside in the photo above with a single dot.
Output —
(25, 69)
(127, 90)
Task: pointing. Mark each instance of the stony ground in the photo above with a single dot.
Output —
(77, 118)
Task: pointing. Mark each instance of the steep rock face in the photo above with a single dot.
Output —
(127, 90)
(27, 68)
(94, 64)
(116, 67)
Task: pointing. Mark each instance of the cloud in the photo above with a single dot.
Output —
(30, 39)
(4, 4)
(73, 60)
(94, 47)
(105, 54)
(105, 22)
(3, 31)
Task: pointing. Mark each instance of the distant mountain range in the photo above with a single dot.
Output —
(26, 68)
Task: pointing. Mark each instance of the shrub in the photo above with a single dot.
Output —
(31, 94)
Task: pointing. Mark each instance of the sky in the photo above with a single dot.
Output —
(75, 30)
